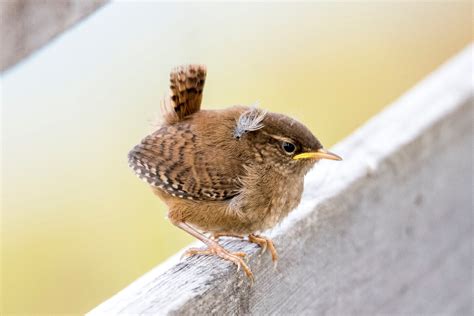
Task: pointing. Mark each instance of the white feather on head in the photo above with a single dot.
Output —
(250, 120)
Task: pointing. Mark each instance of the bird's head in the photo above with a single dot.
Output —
(281, 141)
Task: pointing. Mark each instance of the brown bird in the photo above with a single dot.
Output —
(233, 172)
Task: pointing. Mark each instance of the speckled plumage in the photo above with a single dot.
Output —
(225, 172)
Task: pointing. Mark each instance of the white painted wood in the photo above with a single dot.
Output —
(386, 231)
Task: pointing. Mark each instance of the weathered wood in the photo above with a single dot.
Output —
(387, 231)
(26, 25)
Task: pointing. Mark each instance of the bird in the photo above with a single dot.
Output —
(235, 172)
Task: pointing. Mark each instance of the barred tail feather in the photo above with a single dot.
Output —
(184, 98)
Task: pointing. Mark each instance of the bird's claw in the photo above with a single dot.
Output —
(217, 250)
(191, 252)
(265, 243)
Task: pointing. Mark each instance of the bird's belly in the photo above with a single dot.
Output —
(221, 217)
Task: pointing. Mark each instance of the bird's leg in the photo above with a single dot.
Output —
(265, 243)
(213, 248)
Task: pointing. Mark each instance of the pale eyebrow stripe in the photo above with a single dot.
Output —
(281, 138)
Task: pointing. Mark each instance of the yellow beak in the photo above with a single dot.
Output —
(320, 154)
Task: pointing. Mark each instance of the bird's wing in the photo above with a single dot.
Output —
(176, 161)
(184, 98)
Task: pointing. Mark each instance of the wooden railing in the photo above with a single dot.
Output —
(29, 24)
(387, 231)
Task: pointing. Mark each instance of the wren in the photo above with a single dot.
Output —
(233, 172)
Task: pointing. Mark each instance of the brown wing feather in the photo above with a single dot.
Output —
(170, 159)
(186, 85)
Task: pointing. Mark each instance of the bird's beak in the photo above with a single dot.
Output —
(320, 154)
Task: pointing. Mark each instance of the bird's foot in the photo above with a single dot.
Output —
(214, 249)
(265, 243)
(216, 236)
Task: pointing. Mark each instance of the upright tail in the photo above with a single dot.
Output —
(184, 98)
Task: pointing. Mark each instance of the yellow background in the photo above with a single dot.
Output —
(77, 225)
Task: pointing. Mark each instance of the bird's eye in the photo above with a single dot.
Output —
(289, 148)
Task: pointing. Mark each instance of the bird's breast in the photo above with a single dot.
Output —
(286, 196)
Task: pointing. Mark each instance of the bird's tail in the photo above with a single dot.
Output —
(184, 98)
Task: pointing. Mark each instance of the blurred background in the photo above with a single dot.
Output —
(77, 225)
